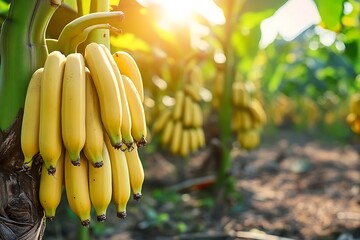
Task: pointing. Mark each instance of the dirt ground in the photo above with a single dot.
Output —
(291, 187)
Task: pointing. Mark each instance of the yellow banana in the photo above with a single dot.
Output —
(257, 112)
(127, 138)
(201, 137)
(108, 91)
(120, 179)
(127, 66)
(240, 96)
(100, 186)
(30, 122)
(50, 141)
(197, 116)
(136, 172)
(351, 118)
(193, 91)
(179, 105)
(77, 188)
(161, 120)
(249, 139)
(167, 133)
(188, 111)
(94, 136)
(138, 129)
(176, 138)
(73, 106)
(194, 139)
(185, 143)
(355, 104)
(50, 189)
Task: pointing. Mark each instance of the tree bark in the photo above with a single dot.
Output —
(21, 215)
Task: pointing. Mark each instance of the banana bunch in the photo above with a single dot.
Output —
(353, 118)
(84, 116)
(248, 114)
(181, 127)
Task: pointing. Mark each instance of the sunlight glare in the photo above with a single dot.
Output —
(182, 11)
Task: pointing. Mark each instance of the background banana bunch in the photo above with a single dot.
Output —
(84, 116)
(248, 114)
(181, 127)
(353, 118)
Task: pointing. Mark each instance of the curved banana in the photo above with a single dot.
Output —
(31, 119)
(136, 172)
(50, 189)
(77, 188)
(201, 137)
(75, 28)
(257, 112)
(188, 111)
(50, 141)
(179, 104)
(128, 66)
(100, 186)
(193, 92)
(197, 116)
(73, 106)
(138, 129)
(126, 123)
(194, 140)
(94, 135)
(176, 138)
(167, 133)
(161, 120)
(108, 91)
(185, 143)
(120, 179)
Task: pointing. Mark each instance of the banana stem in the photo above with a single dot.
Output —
(16, 60)
(224, 178)
(72, 29)
(100, 35)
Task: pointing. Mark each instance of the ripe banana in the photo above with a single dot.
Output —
(136, 172)
(197, 116)
(30, 122)
(127, 138)
(185, 142)
(100, 186)
(168, 131)
(77, 188)
(139, 129)
(176, 138)
(179, 105)
(257, 112)
(249, 139)
(50, 188)
(120, 179)
(108, 91)
(127, 66)
(161, 120)
(240, 96)
(188, 111)
(73, 106)
(355, 104)
(194, 139)
(193, 92)
(201, 137)
(50, 141)
(94, 136)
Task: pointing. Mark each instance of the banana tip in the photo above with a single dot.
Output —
(117, 146)
(50, 218)
(137, 196)
(101, 218)
(121, 214)
(76, 162)
(51, 170)
(85, 223)
(141, 143)
(98, 164)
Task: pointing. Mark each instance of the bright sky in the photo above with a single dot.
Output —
(289, 21)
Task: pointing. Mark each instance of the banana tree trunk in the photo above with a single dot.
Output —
(22, 51)
(21, 216)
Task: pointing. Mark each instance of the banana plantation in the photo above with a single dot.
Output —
(170, 119)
